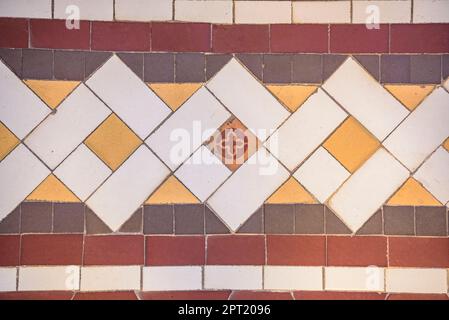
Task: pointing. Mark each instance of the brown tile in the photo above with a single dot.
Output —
(114, 250)
(116, 295)
(371, 64)
(9, 250)
(175, 251)
(430, 221)
(37, 64)
(158, 219)
(213, 224)
(277, 68)
(68, 218)
(254, 224)
(133, 224)
(159, 67)
(307, 68)
(94, 60)
(11, 223)
(36, 217)
(395, 69)
(254, 63)
(374, 225)
(417, 296)
(309, 219)
(399, 220)
(333, 224)
(287, 250)
(94, 225)
(13, 59)
(37, 295)
(214, 63)
(425, 69)
(134, 61)
(235, 250)
(260, 295)
(190, 67)
(69, 65)
(334, 295)
(279, 218)
(189, 219)
(331, 62)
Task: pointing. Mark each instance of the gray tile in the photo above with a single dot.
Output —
(69, 65)
(254, 224)
(94, 60)
(159, 67)
(254, 63)
(214, 63)
(190, 67)
(94, 225)
(374, 225)
(68, 218)
(279, 218)
(395, 69)
(134, 61)
(36, 217)
(430, 221)
(13, 59)
(331, 62)
(277, 68)
(134, 223)
(445, 66)
(425, 69)
(158, 219)
(11, 223)
(371, 63)
(307, 68)
(213, 224)
(189, 219)
(309, 219)
(399, 220)
(37, 64)
(333, 224)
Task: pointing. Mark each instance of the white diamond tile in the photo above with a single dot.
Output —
(392, 11)
(139, 107)
(55, 138)
(233, 277)
(368, 188)
(305, 130)
(370, 279)
(57, 278)
(254, 182)
(141, 10)
(430, 11)
(101, 10)
(202, 173)
(364, 98)
(434, 174)
(25, 9)
(172, 278)
(247, 99)
(8, 277)
(110, 278)
(217, 11)
(20, 109)
(191, 125)
(120, 196)
(82, 172)
(321, 174)
(422, 132)
(293, 278)
(20, 173)
(411, 280)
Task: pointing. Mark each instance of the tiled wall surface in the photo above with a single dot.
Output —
(352, 121)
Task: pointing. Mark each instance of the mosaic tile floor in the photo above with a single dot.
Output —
(224, 149)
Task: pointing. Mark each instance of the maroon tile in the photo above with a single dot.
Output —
(279, 218)
(395, 69)
(329, 295)
(309, 219)
(172, 251)
(213, 224)
(116, 295)
(121, 36)
(68, 218)
(417, 296)
(134, 61)
(158, 219)
(296, 250)
(333, 224)
(374, 225)
(94, 225)
(254, 224)
(9, 250)
(307, 68)
(190, 67)
(13, 59)
(185, 295)
(114, 250)
(399, 220)
(54, 34)
(235, 250)
(277, 68)
(240, 38)
(371, 63)
(69, 65)
(356, 38)
(11, 223)
(94, 60)
(159, 67)
(36, 217)
(308, 38)
(430, 221)
(254, 63)
(260, 295)
(189, 219)
(214, 63)
(133, 224)
(425, 69)
(13, 33)
(37, 295)
(420, 38)
(331, 62)
(37, 64)
(183, 37)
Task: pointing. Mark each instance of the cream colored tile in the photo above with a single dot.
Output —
(233, 277)
(410, 280)
(354, 279)
(293, 278)
(172, 278)
(322, 11)
(252, 12)
(110, 278)
(57, 278)
(390, 11)
(143, 10)
(8, 277)
(102, 10)
(430, 11)
(25, 9)
(216, 11)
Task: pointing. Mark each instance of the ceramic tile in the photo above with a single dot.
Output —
(233, 277)
(321, 12)
(55, 278)
(204, 11)
(409, 280)
(96, 10)
(354, 279)
(110, 278)
(293, 278)
(172, 278)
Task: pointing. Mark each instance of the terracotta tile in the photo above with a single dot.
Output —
(327, 295)
(121, 36)
(54, 34)
(13, 33)
(68, 218)
(185, 295)
(362, 40)
(114, 250)
(13, 58)
(260, 295)
(307, 68)
(309, 219)
(37, 64)
(134, 61)
(419, 38)
(51, 250)
(158, 219)
(279, 218)
(214, 63)
(94, 225)
(125, 295)
(399, 220)
(94, 60)
(430, 221)
(36, 217)
(371, 63)
(254, 63)
(333, 224)
(254, 224)
(345, 251)
(296, 250)
(134, 224)
(425, 69)
(159, 67)
(331, 62)
(69, 65)
(11, 223)
(183, 37)
(172, 251)
(213, 224)
(190, 67)
(412, 296)
(240, 38)
(307, 38)
(395, 68)
(373, 226)
(235, 250)
(189, 219)
(277, 68)
(9, 250)
(49, 295)
(419, 252)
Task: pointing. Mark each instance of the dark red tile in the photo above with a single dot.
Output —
(171, 251)
(51, 249)
(38, 295)
(419, 252)
(127, 295)
(235, 250)
(308, 38)
(345, 251)
(327, 295)
(419, 38)
(260, 295)
(240, 38)
(185, 295)
(54, 34)
(183, 37)
(114, 250)
(9, 250)
(296, 250)
(13, 33)
(411, 296)
(356, 38)
(121, 36)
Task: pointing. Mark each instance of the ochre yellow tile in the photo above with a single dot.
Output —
(50, 91)
(53, 190)
(291, 192)
(446, 144)
(412, 193)
(410, 95)
(8, 141)
(175, 94)
(172, 191)
(292, 96)
(113, 142)
(351, 144)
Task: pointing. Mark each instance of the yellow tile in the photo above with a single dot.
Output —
(410, 95)
(175, 94)
(113, 142)
(8, 141)
(51, 189)
(50, 91)
(351, 144)
(291, 192)
(292, 96)
(446, 144)
(172, 191)
(412, 193)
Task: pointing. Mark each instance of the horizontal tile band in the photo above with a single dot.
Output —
(79, 65)
(204, 37)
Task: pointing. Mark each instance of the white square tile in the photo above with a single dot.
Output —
(369, 279)
(109, 278)
(172, 278)
(128, 96)
(422, 132)
(364, 98)
(191, 125)
(25, 9)
(263, 11)
(410, 280)
(434, 174)
(100, 10)
(120, 196)
(254, 182)
(8, 277)
(82, 172)
(248, 99)
(305, 130)
(143, 10)
(55, 138)
(390, 11)
(203, 173)
(293, 278)
(233, 277)
(54, 278)
(368, 188)
(20, 173)
(217, 11)
(20, 109)
(321, 174)
(430, 11)
(321, 11)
